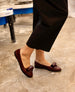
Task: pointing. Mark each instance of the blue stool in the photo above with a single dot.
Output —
(9, 19)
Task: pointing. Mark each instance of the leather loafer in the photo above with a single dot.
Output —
(53, 67)
(27, 71)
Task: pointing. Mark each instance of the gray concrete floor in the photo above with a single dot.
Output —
(62, 52)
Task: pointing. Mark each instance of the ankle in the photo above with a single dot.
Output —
(24, 53)
(40, 60)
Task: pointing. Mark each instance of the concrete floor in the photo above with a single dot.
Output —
(62, 52)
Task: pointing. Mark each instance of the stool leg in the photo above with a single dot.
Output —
(5, 25)
(14, 18)
(11, 26)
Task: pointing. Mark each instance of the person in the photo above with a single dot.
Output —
(48, 18)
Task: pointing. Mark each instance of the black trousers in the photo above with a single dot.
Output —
(48, 19)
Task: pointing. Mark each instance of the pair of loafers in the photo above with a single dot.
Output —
(29, 71)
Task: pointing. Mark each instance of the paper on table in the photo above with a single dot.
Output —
(6, 12)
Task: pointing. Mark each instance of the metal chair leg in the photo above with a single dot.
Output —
(11, 26)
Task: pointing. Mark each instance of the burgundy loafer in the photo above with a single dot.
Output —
(53, 67)
(27, 71)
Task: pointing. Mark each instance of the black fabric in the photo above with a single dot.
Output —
(48, 19)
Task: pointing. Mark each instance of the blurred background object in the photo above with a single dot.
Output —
(7, 2)
(71, 8)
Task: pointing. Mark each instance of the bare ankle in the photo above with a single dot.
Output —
(40, 60)
(26, 51)
(25, 54)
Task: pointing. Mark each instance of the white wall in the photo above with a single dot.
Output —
(71, 7)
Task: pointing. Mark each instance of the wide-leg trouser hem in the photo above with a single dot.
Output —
(47, 50)
(43, 40)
